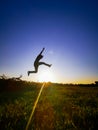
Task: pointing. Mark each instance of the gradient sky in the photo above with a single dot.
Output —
(68, 29)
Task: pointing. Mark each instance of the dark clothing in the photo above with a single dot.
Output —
(36, 62)
(38, 59)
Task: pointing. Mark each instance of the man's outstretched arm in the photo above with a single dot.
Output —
(42, 51)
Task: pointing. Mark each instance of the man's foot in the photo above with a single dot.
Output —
(50, 65)
(28, 73)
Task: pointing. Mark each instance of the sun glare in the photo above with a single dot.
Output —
(46, 76)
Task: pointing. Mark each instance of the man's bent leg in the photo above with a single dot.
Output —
(43, 63)
(32, 72)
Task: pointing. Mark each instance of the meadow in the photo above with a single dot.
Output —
(60, 107)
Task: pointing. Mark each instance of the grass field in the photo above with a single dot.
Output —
(60, 107)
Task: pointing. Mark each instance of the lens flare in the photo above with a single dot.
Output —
(46, 76)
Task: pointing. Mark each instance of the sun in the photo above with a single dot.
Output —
(46, 76)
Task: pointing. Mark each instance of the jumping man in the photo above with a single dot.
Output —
(37, 62)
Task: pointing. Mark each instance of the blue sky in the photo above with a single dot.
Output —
(67, 29)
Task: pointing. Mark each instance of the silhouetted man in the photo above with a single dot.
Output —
(37, 63)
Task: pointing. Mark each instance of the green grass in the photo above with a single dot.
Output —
(60, 107)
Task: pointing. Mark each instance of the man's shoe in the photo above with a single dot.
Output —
(50, 65)
(28, 73)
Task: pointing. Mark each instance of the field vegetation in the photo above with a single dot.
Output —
(60, 107)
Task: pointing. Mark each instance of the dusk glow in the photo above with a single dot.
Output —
(46, 76)
(67, 30)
